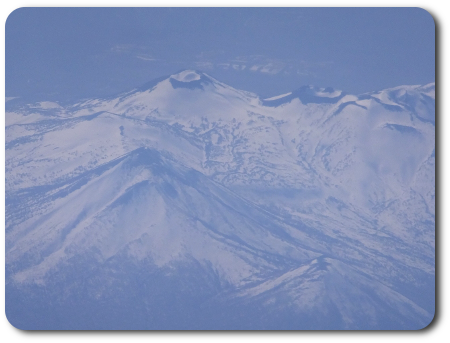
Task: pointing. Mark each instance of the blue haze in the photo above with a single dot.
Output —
(68, 53)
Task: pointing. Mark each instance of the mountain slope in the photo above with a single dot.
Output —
(187, 204)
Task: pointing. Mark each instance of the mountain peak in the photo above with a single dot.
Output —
(190, 79)
(186, 76)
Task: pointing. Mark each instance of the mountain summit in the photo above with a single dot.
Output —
(188, 204)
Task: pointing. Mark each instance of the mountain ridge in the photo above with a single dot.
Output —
(198, 192)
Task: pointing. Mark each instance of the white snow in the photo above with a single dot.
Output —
(186, 76)
(47, 105)
(354, 184)
(23, 118)
(278, 96)
(324, 94)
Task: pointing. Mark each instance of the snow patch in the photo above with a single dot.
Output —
(186, 76)
(324, 94)
(46, 105)
(278, 97)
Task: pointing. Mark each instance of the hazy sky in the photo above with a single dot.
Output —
(67, 53)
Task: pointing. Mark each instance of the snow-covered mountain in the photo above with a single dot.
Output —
(188, 204)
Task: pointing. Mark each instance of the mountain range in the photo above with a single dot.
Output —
(188, 204)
